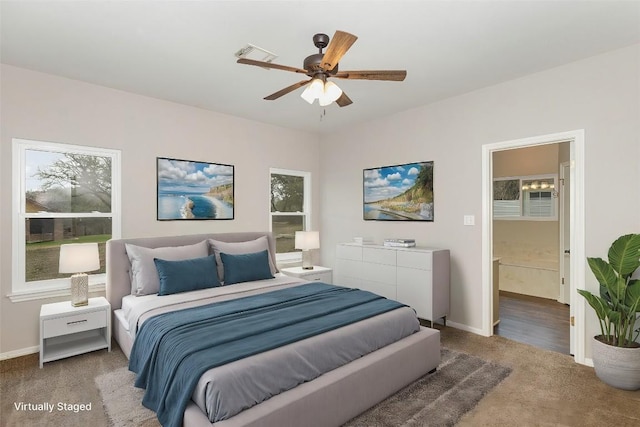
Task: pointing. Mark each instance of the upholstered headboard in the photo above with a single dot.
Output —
(118, 265)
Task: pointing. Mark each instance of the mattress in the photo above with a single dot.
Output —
(227, 390)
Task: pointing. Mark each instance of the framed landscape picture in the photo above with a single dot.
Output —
(398, 193)
(190, 190)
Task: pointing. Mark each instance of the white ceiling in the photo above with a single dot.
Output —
(183, 51)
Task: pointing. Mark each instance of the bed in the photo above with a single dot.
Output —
(328, 399)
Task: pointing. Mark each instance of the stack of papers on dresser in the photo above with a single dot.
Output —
(401, 243)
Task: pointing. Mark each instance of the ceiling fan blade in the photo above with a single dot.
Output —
(270, 65)
(392, 75)
(286, 90)
(344, 100)
(338, 46)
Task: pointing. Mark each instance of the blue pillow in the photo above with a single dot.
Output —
(245, 267)
(186, 275)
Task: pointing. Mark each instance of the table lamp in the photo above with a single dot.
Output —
(307, 240)
(78, 258)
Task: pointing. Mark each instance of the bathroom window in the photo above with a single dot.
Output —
(526, 198)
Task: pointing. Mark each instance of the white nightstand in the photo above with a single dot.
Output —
(320, 274)
(66, 330)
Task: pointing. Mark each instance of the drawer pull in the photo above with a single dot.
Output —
(76, 322)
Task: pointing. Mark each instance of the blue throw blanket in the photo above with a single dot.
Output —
(173, 350)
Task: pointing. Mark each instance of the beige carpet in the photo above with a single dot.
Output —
(543, 389)
(438, 399)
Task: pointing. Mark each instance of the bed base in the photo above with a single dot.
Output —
(336, 397)
(333, 398)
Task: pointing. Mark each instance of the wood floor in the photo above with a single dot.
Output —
(540, 322)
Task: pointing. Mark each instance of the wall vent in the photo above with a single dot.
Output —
(251, 51)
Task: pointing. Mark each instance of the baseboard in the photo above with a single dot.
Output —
(588, 362)
(464, 327)
(21, 352)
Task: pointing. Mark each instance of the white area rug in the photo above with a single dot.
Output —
(122, 401)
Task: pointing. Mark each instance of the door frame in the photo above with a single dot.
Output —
(564, 175)
(577, 224)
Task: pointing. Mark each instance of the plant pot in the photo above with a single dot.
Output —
(617, 366)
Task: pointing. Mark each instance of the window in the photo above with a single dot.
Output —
(526, 197)
(506, 198)
(290, 210)
(62, 194)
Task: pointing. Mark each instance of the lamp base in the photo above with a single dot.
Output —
(307, 262)
(79, 289)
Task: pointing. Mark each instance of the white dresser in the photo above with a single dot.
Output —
(418, 277)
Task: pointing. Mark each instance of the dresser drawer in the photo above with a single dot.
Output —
(75, 323)
(349, 252)
(379, 273)
(379, 256)
(349, 267)
(415, 259)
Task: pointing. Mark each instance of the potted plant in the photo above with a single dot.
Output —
(616, 354)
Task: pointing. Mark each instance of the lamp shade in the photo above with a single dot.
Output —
(79, 258)
(331, 93)
(306, 240)
(313, 91)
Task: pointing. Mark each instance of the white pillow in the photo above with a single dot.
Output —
(144, 275)
(238, 248)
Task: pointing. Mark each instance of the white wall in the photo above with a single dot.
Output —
(600, 94)
(48, 108)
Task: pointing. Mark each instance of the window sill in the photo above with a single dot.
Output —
(289, 263)
(49, 293)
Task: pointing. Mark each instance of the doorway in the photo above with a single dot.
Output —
(527, 222)
(576, 229)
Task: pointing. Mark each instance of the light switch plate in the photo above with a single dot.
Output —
(469, 220)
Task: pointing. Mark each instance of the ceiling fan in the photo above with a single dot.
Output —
(320, 67)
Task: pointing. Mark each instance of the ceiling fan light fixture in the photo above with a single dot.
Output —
(314, 91)
(307, 96)
(324, 101)
(331, 92)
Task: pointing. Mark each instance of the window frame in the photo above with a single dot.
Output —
(522, 216)
(292, 257)
(21, 289)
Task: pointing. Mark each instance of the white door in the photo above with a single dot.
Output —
(565, 245)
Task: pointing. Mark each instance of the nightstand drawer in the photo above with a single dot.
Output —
(72, 324)
(318, 277)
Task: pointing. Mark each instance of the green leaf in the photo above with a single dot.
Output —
(599, 304)
(615, 317)
(632, 298)
(624, 254)
(606, 276)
